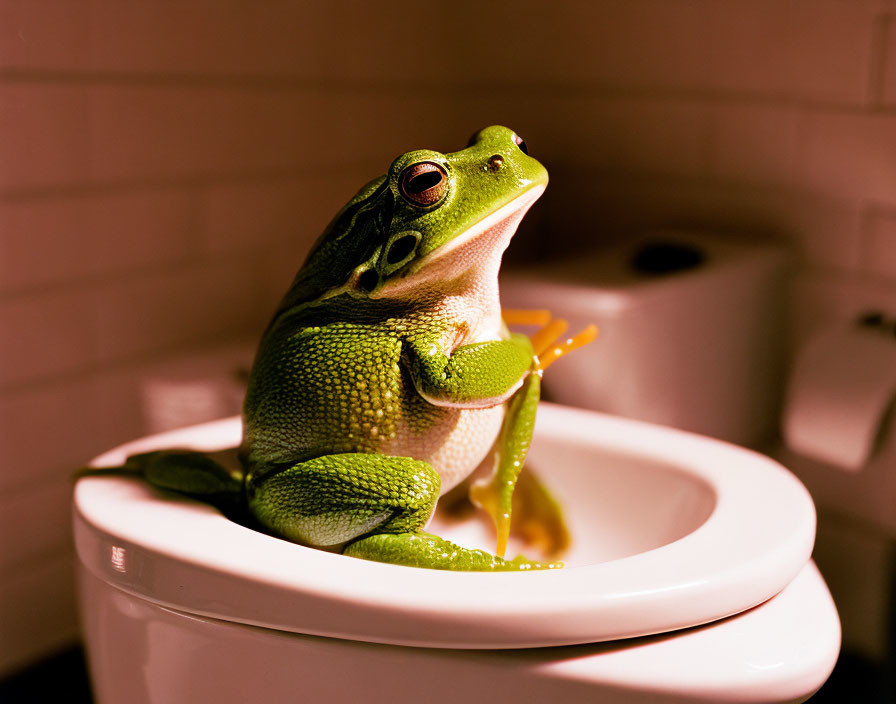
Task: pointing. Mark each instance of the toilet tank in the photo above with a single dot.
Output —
(691, 330)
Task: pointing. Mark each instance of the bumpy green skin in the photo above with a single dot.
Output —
(373, 360)
(424, 550)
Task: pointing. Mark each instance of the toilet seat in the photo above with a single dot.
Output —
(711, 555)
(181, 605)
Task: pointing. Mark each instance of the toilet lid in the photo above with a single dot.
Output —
(751, 531)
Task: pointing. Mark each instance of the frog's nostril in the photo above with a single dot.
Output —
(368, 280)
(400, 249)
(521, 143)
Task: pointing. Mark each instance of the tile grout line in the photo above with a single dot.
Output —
(877, 70)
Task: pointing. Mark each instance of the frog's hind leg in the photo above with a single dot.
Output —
(213, 477)
(330, 500)
(369, 506)
(195, 473)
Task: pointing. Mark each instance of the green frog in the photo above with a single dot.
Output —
(388, 375)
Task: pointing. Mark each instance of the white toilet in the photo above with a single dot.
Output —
(689, 580)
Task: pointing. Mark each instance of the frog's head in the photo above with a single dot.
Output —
(432, 218)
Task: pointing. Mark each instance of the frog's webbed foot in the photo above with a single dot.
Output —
(538, 521)
(544, 340)
(425, 550)
(538, 518)
(190, 472)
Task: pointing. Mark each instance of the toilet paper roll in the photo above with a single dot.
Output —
(841, 388)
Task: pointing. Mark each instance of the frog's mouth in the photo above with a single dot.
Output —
(479, 249)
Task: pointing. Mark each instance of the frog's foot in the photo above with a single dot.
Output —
(190, 472)
(515, 316)
(425, 550)
(537, 517)
(213, 477)
(544, 340)
(548, 350)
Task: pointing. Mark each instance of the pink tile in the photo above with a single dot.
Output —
(247, 215)
(35, 520)
(820, 50)
(160, 311)
(47, 431)
(632, 135)
(152, 131)
(407, 41)
(757, 144)
(262, 215)
(205, 37)
(634, 44)
(119, 411)
(823, 233)
(190, 386)
(52, 240)
(38, 613)
(46, 35)
(167, 131)
(378, 125)
(46, 334)
(833, 47)
(879, 243)
(46, 140)
(888, 69)
(750, 47)
(851, 155)
(278, 270)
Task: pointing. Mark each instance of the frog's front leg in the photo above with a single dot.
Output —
(370, 506)
(479, 375)
(543, 520)
(496, 494)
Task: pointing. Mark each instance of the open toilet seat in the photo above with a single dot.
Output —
(670, 530)
(674, 531)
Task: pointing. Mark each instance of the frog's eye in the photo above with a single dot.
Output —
(424, 183)
(521, 143)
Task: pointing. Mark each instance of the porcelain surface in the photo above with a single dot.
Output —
(141, 653)
(670, 530)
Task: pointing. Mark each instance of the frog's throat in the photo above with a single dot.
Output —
(494, 230)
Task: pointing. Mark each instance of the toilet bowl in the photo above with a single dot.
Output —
(689, 579)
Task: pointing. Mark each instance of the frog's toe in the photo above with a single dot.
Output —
(195, 473)
(538, 519)
(433, 552)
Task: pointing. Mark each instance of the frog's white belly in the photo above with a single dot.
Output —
(467, 444)
(455, 440)
(455, 445)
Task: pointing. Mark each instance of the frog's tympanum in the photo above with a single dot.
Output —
(388, 375)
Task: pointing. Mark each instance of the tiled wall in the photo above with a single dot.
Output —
(164, 165)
